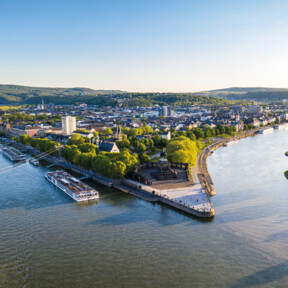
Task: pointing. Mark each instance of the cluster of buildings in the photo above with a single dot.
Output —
(92, 118)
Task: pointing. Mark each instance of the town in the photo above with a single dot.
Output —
(153, 152)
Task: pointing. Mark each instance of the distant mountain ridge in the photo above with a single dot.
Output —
(248, 93)
(17, 94)
(26, 94)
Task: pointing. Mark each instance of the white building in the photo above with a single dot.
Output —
(166, 111)
(68, 125)
(166, 135)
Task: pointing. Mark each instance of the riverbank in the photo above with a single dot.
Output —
(200, 172)
(194, 199)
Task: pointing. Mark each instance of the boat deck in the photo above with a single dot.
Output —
(73, 184)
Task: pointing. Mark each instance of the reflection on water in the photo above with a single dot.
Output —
(47, 240)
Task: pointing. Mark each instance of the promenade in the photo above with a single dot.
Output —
(192, 199)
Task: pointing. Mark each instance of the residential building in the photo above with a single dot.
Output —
(255, 109)
(68, 125)
(237, 108)
(108, 147)
(166, 135)
(166, 111)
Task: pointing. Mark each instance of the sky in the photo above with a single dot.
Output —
(144, 45)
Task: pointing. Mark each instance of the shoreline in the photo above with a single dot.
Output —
(201, 170)
(194, 201)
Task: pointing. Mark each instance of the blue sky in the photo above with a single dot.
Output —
(144, 45)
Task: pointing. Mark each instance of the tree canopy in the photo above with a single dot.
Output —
(182, 149)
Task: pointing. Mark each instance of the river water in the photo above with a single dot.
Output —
(47, 240)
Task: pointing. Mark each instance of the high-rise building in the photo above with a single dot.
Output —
(166, 111)
(68, 125)
(170, 112)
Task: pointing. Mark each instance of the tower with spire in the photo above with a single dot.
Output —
(118, 133)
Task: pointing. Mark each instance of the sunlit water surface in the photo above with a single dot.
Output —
(47, 240)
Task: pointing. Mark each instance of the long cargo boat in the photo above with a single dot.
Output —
(266, 130)
(230, 143)
(281, 126)
(13, 154)
(72, 186)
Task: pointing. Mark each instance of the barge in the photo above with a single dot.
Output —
(281, 126)
(72, 186)
(13, 154)
(265, 131)
(230, 143)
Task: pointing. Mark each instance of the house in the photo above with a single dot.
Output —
(166, 135)
(254, 121)
(108, 147)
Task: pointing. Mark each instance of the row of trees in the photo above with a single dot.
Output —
(43, 145)
(114, 165)
(81, 155)
(16, 116)
(198, 133)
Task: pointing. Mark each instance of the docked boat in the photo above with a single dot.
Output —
(13, 154)
(280, 126)
(72, 186)
(265, 131)
(230, 143)
(34, 162)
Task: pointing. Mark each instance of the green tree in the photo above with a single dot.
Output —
(107, 131)
(24, 139)
(207, 133)
(118, 170)
(140, 148)
(124, 143)
(76, 139)
(144, 158)
(182, 149)
(128, 159)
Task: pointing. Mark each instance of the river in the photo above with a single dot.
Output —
(47, 240)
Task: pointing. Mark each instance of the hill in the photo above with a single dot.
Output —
(250, 93)
(10, 94)
(14, 94)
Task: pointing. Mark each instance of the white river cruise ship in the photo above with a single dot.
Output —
(72, 186)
